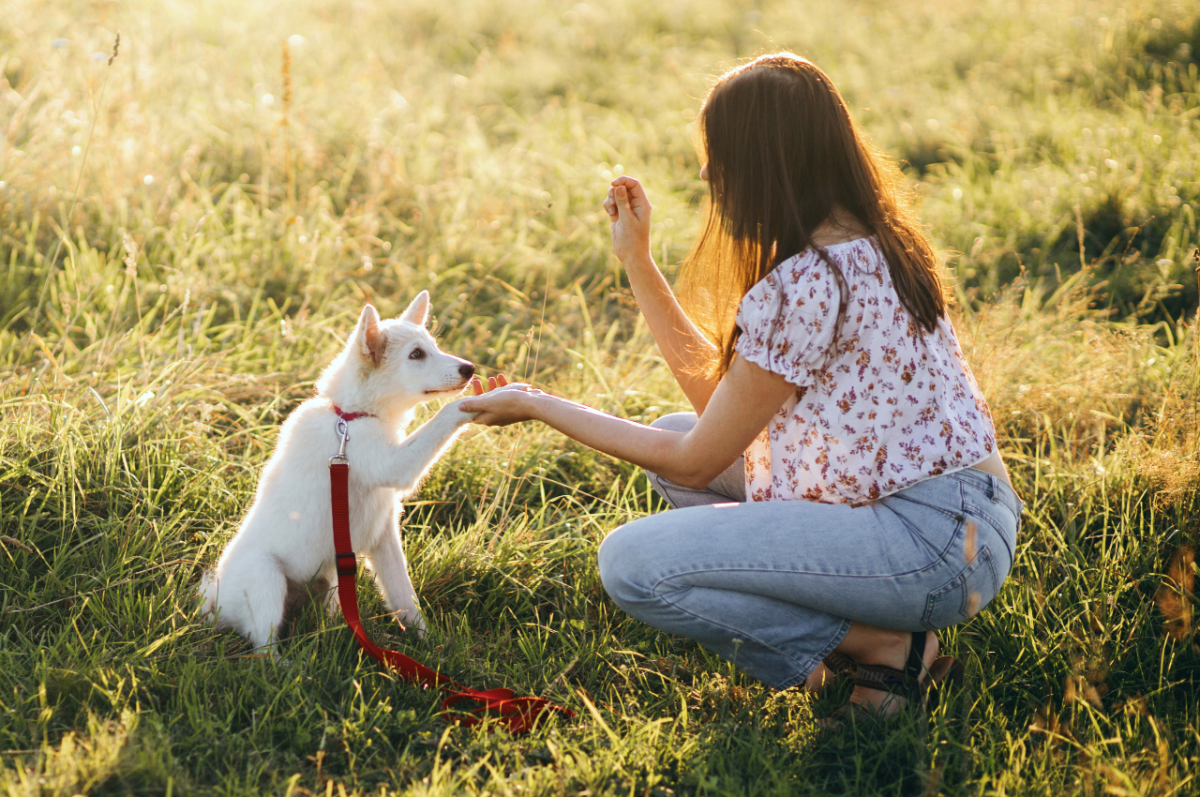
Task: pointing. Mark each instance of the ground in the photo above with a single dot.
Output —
(191, 221)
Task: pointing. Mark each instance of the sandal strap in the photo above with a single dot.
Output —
(840, 663)
(887, 679)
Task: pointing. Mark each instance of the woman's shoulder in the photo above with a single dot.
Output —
(808, 271)
(862, 254)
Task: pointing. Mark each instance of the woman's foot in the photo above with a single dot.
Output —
(835, 667)
(885, 648)
(821, 679)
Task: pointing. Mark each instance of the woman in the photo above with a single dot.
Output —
(837, 494)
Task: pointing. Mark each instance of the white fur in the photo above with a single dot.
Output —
(286, 539)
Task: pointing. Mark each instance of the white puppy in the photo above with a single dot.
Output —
(284, 546)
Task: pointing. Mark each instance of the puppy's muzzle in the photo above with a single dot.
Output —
(466, 371)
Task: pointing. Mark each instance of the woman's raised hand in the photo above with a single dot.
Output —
(628, 209)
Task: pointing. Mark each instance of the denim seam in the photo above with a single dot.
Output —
(737, 633)
(987, 511)
(959, 582)
(816, 660)
(935, 508)
(833, 643)
(747, 569)
(995, 491)
(937, 555)
(978, 514)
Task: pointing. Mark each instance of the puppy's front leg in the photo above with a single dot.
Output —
(408, 462)
(390, 568)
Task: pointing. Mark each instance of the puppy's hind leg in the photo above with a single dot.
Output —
(253, 595)
(390, 568)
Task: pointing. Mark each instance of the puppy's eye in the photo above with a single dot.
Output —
(417, 354)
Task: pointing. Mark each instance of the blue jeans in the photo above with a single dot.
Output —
(774, 586)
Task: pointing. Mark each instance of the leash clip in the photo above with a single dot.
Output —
(343, 429)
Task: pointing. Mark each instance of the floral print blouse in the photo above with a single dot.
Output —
(891, 406)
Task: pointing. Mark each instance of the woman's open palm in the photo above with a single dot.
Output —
(628, 209)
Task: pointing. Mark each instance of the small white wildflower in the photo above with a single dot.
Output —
(148, 179)
(267, 99)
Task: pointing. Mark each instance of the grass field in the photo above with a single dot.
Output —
(187, 233)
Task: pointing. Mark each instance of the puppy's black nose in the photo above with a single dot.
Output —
(467, 371)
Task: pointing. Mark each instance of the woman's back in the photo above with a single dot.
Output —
(887, 406)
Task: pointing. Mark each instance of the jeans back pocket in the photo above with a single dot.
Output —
(963, 596)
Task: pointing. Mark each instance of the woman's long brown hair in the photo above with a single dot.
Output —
(782, 151)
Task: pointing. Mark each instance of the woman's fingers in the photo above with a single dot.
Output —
(622, 197)
(632, 187)
(610, 204)
(493, 382)
(631, 196)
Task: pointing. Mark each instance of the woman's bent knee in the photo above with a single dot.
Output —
(621, 560)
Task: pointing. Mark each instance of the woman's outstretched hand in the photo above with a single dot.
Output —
(628, 209)
(501, 403)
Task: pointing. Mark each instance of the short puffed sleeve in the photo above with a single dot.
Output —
(787, 320)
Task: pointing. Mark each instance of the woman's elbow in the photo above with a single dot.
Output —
(697, 478)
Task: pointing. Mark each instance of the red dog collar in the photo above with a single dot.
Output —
(350, 416)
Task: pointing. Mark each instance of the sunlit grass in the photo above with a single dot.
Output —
(228, 228)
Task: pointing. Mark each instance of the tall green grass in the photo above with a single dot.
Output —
(232, 216)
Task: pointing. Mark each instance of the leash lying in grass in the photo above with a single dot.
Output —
(517, 714)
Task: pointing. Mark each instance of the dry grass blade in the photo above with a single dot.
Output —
(1175, 595)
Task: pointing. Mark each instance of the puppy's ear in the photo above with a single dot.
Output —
(369, 339)
(418, 310)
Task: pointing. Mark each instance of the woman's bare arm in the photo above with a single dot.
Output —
(740, 408)
(684, 347)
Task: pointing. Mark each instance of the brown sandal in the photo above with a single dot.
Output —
(906, 683)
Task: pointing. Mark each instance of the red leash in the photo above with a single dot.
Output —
(517, 714)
